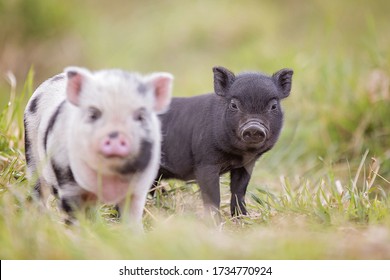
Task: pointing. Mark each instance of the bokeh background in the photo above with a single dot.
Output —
(339, 50)
(321, 192)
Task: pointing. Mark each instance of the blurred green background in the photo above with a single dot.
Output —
(308, 197)
(339, 50)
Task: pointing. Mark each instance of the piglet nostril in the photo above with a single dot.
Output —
(246, 134)
(115, 146)
(106, 144)
(123, 143)
(254, 133)
(258, 133)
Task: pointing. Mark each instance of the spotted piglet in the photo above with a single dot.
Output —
(96, 136)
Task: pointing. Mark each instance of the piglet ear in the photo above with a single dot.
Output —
(161, 82)
(223, 79)
(76, 78)
(282, 79)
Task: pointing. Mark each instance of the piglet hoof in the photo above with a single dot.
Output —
(213, 217)
(238, 211)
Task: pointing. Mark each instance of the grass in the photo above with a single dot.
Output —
(321, 193)
(305, 219)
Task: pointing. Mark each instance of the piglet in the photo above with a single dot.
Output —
(208, 135)
(96, 136)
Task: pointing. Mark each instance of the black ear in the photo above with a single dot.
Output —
(282, 79)
(223, 79)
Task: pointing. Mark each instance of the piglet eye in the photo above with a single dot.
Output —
(274, 105)
(140, 115)
(94, 114)
(233, 106)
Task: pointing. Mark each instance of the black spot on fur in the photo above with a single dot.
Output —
(37, 189)
(142, 88)
(57, 78)
(27, 143)
(113, 134)
(65, 205)
(34, 105)
(140, 162)
(51, 123)
(69, 175)
(64, 175)
(54, 191)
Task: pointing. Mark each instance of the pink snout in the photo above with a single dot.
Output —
(115, 144)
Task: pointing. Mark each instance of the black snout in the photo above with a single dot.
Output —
(254, 132)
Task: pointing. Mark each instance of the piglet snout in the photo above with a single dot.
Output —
(254, 132)
(115, 144)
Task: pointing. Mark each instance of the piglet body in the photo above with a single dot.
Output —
(208, 135)
(96, 134)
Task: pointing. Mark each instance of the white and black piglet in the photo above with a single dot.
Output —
(96, 136)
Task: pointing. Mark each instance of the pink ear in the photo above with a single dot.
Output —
(76, 78)
(162, 83)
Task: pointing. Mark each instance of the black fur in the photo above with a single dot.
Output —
(34, 105)
(65, 205)
(54, 190)
(27, 143)
(37, 192)
(140, 162)
(203, 136)
(113, 134)
(141, 88)
(57, 78)
(64, 175)
(37, 189)
(51, 123)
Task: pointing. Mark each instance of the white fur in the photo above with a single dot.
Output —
(73, 141)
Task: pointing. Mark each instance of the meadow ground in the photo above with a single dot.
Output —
(323, 192)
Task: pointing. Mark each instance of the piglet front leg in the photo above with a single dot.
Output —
(239, 180)
(131, 210)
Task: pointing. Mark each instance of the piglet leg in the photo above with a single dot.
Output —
(208, 179)
(239, 180)
(131, 210)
